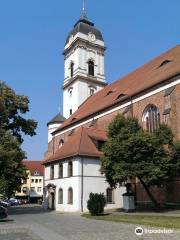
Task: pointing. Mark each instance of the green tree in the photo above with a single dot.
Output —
(131, 152)
(12, 127)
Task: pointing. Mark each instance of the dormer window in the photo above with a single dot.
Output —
(61, 142)
(36, 173)
(72, 69)
(91, 68)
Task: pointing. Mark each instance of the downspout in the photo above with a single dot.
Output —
(82, 182)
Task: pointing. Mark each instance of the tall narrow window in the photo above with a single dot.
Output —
(91, 68)
(60, 170)
(60, 197)
(70, 195)
(72, 69)
(151, 118)
(91, 91)
(70, 169)
(52, 172)
(109, 195)
(70, 112)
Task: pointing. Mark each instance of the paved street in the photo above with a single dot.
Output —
(32, 223)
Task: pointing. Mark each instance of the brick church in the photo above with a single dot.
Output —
(151, 93)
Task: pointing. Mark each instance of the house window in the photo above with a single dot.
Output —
(91, 68)
(109, 195)
(32, 189)
(52, 172)
(32, 180)
(24, 189)
(36, 173)
(60, 196)
(72, 69)
(70, 112)
(151, 118)
(70, 169)
(36, 180)
(60, 170)
(70, 195)
(40, 180)
(39, 189)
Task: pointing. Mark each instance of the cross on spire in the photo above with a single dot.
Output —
(84, 9)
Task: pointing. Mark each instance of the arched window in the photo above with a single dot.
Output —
(109, 195)
(60, 197)
(70, 195)
(61, 142)
(72, 69)
(60, 170)
(52, 172)
(91, 68)
(70, 169)
(151, 118)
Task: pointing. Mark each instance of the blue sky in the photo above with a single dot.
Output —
(32, 37)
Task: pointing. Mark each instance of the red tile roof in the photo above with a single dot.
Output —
(80, 143)
(33, 166)
(158, 70)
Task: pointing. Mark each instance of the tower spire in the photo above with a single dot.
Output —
(84, 9)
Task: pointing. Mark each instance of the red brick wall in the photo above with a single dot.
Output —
(137, 111)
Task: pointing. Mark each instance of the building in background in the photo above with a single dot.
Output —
(32, 187)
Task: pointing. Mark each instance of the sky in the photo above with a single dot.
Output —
(32, 38)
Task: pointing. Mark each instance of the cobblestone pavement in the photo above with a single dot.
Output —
(32, 223)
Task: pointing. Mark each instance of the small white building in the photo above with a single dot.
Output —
(73, 172)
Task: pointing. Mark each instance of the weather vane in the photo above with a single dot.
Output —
(84, 9)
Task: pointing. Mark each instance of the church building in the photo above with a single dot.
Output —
(72, 160)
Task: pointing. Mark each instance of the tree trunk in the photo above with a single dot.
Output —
(156, 204)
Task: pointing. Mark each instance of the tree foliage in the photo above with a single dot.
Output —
(12, 126)
(131, 152)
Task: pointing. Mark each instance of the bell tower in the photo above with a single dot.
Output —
(83, 64)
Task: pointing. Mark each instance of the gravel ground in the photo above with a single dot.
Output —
(32, 223)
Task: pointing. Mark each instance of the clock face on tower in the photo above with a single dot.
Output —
(91, 37)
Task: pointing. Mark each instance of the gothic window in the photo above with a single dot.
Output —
(60, 170)
(60, 197)
(70, 169)
(52, 172)
(61, 142)
(70, 195)
(109, 195)
(151, 118)
(72, 69)
(91, 68)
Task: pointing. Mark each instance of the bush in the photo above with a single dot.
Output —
(96, 203)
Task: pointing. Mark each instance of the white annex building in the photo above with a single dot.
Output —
(72, 162)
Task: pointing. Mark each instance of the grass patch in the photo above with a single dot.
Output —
(153, 221)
